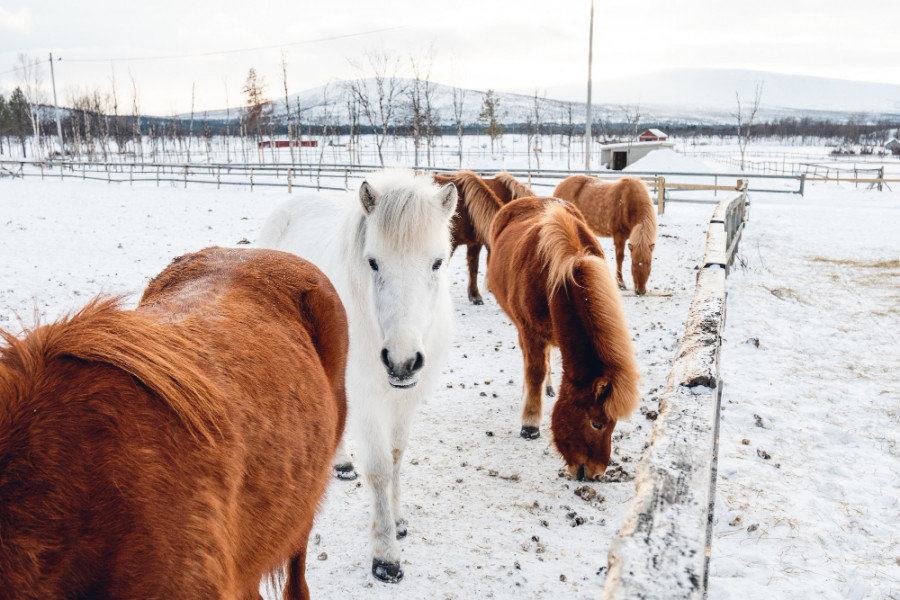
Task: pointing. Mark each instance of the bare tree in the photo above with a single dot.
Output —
(287, 104)
(30, 82)
(258, 106)
(459, 100)
(136, 121)
(191, 126)
(378, 103)
(745, 119)
(570, 131)
(632, 116)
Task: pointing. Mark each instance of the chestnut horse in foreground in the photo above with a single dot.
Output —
(549, 275)
(623, 211)
(479, 200)
(178, 450)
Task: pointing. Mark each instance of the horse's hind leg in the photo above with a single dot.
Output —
(295, 587)
(548, 382)
(473, 253)
(619, 241)
(342, 465)
(535, 354)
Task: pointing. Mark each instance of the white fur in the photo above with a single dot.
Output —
(404, 307)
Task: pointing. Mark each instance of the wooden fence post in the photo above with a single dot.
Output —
(661, 195)
(289, 180)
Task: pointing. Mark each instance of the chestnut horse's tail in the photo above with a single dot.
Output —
(481, 202)
(132, 342)
(574, 266)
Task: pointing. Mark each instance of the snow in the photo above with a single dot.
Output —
(488, 512)
(817, 286)
(670, 161)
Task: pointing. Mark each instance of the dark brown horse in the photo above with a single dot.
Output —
(178, 450)
(548, 273)
(623, 211)
(479, 201)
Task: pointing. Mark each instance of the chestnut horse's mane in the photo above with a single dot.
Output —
(567, 259)
(130, 341)
(481, 202)
(515, 187)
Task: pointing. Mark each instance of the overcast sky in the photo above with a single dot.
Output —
(510, 46)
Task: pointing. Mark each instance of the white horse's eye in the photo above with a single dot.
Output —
(437, 264)
(373, 264)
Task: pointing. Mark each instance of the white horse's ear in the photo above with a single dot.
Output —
(367, 197)
(449, 196)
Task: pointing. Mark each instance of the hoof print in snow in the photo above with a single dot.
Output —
(575, 519)
(530, 433)
(345, 472)
(387, 572)
(763, 454)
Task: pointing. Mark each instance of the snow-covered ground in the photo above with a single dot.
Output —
(489, 514)
(808, 495)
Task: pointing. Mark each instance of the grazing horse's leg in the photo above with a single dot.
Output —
(473, 253)
(378, 469)
(342, 465)
(535, 354)
(619, 240)
(548, 382)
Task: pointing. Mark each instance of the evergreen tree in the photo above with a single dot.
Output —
(490, 116)
(19, 117)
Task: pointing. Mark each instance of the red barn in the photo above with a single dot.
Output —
(653, 135)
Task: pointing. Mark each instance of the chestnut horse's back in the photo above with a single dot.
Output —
(178, 450)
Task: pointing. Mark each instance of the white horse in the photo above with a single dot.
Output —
(386, 254)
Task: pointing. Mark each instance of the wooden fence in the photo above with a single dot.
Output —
(662, 550)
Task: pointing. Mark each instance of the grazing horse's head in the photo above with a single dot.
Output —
(405, 246)
(582, 430)
(641, 261)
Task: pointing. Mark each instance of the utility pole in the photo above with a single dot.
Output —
(587, 123)
(62, 149)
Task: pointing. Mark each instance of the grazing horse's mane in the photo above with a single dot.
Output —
(135, 343)
(516, 188)
(644, 233)
(481, 202)
(570, 260)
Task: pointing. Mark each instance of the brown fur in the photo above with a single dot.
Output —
(178, 450)
(478, 203)
(549, 275)
(623, 211)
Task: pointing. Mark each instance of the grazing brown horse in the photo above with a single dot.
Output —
(178, 450)
(479, 201)
(623, 211)
(549, 275)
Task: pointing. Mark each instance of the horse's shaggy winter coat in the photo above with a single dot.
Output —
(178, 450)
(623, 211)
(549, 275)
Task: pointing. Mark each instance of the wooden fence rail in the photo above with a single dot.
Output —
(662, 550)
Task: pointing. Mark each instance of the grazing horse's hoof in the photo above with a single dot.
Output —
(386, 571)
(475, 299)
(530, 433)
(401, 530)
(550, 391)
(621, 285)
(345, 472)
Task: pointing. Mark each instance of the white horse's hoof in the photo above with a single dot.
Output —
(530, 433)
(345, 472)
(386, 571)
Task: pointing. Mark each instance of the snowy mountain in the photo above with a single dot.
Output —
(685, 95)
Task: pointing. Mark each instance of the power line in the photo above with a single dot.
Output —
(202, 54)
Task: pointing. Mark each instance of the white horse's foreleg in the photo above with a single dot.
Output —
(398, 447)
(378, 467)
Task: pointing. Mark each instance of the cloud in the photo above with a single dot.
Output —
(16, 21)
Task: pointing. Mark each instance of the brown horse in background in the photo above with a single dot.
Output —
(623, 211)
(548, 273)
(178, 450)
(479, 200)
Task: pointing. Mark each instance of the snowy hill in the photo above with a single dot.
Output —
(685, 95)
